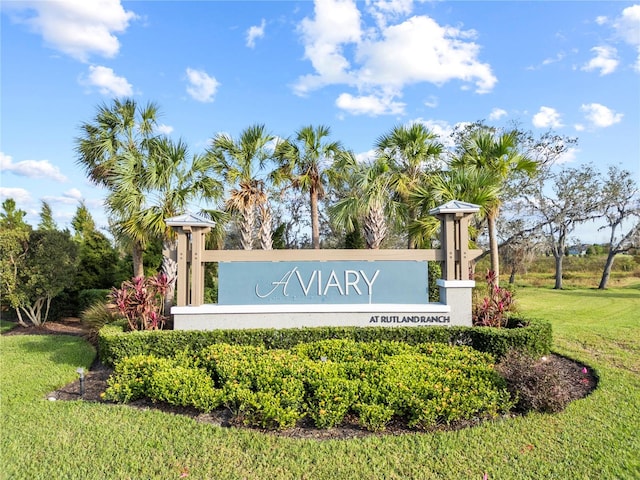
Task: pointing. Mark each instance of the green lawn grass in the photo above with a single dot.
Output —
(596, 437)
(6, 325)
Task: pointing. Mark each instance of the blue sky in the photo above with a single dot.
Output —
(358, 67)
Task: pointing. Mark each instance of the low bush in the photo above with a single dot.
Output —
(131, 378)
(186, 387)
(323, 381)
(89, 297)
(141, 301)
(528, 335)
(534, 383)
(97, 316)
(493, 310)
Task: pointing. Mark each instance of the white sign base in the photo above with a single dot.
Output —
(227, 317)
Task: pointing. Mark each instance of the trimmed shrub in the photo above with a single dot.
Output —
(424, 384)
(132, 376)
(262, 387)
(186, 387)
(531, 336)
(329, 393)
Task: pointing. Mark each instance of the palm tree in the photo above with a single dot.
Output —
(238, 162)
(304, 162)
(485, 149)
(412, 150)
(115, 144)
(163, 187)
(371, 202)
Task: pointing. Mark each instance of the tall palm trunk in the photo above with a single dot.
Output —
(315, 218)
(138, 264)
(170, 268)
(412, 218)
(266, 238)
(246, 226)
(375, 227)
(493, 247)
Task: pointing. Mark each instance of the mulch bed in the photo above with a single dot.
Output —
(95, 383)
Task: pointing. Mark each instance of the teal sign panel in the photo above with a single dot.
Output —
(259, 283)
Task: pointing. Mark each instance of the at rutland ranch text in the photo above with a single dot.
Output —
(409, 319)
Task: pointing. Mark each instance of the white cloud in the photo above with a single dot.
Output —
(568, 156)
(336, 22)
(70, 197)
(385, 10)
(559, 57)
(547, 117)
(605, 60)
(255, 32)
(20, 195)
(386, 57)
(627, 26)
(579, 127)
(202, 87)
(497, 114)
(432, 102)
(441, 129)
(164, 129)
(77, 28)
(31, 168)
(73, 193)
(107, 82)
(600, 116)
(369, 105)
(420, 50)
(601, 20)
(366, 157)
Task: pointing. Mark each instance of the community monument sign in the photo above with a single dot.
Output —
(310, 288)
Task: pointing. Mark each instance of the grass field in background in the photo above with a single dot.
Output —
(596, 437)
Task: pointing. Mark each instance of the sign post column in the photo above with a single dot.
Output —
(455, 286)
(191, 230)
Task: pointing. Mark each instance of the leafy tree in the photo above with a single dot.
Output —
(413, 152)
(49, 266)
(11, 217)
(46, 218)
(498, 153)
(574, 199)
(238, 163)
(14, 240)
(292, 221)
(82, 222)
(520, 248)
(114, 149)
(306, 162)
(620, 204)
(98, 260)
(97, 263)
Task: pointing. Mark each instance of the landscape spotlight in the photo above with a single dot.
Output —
(80, 372)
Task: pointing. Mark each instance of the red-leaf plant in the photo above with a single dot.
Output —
(493, 310)
(141, 301)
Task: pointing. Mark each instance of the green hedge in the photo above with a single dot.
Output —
(534, 338)
(425, 385)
